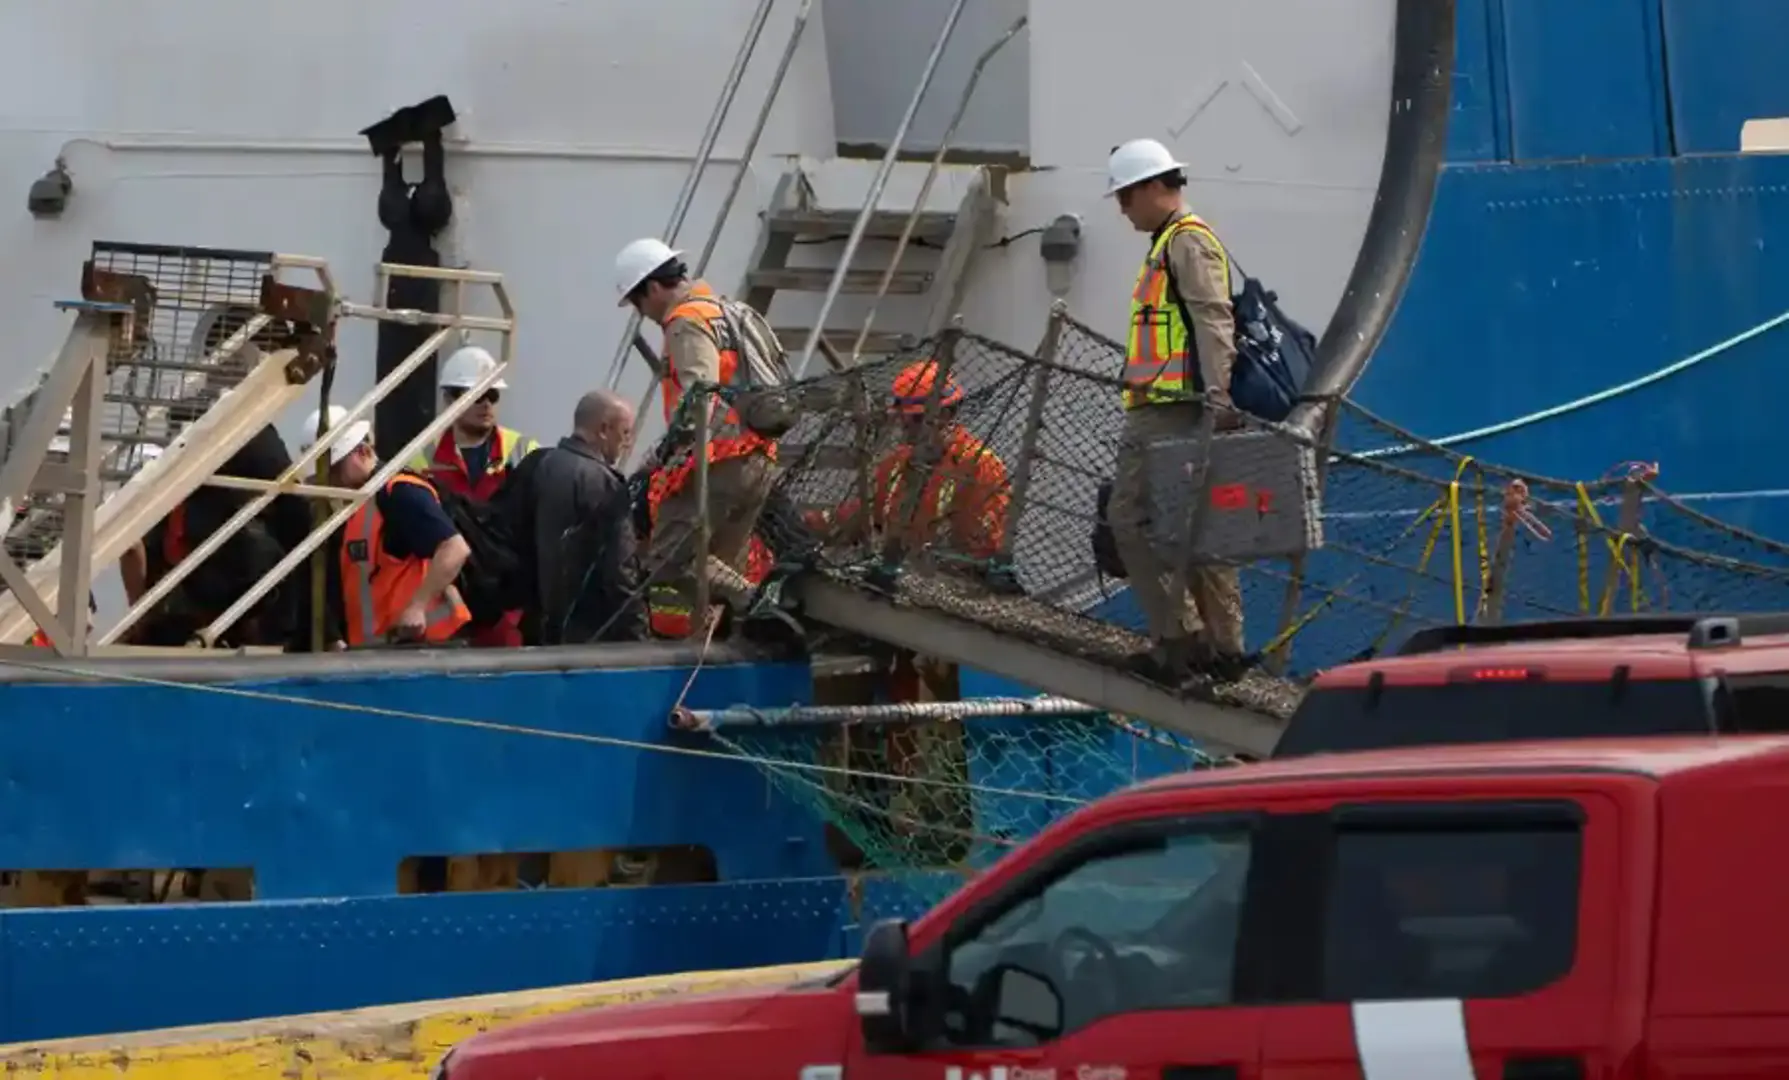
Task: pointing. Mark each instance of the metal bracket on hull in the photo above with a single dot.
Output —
(137, 323)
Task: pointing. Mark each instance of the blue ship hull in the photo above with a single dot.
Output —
(1592, 226)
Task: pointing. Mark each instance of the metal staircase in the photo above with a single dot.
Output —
(920, 238)
(176, 358)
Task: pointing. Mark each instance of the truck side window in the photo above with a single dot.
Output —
(1760, 704)
(1451, 908)
(1143, 925)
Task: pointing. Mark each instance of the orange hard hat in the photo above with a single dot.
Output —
(913, 388)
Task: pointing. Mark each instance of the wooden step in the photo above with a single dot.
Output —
(933, 225)
(879, 343)
(817, 278)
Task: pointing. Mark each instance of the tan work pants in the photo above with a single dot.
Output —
(737, 490)
(1176, 605)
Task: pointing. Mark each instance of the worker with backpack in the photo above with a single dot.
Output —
(1205, 345)
(710, 341)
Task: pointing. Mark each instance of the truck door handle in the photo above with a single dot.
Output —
(1201, 1072)
(1543, 1068)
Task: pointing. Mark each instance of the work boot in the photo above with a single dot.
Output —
(1167, 663)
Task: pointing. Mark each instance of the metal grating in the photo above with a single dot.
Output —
(161, 378)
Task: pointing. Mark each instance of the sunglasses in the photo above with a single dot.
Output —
(490, 397)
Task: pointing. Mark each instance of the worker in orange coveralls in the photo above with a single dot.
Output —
(960, 507)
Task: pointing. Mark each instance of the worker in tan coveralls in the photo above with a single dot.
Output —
(1178, 355)
(652, 278)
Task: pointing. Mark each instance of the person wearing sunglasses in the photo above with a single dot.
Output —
(475, 455)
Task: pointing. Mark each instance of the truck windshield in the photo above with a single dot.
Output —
(1336, 719)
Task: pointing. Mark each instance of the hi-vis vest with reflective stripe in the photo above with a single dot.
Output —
(449, 467)
(729, 438)
(376, 585)
(1160, 361)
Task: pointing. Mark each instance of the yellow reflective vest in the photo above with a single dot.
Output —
(1160, 361)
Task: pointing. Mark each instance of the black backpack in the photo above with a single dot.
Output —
(1274, 354)
(492, 582)
(1105, 548)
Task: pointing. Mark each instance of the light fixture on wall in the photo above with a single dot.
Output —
(49, 193)
(1060, 246)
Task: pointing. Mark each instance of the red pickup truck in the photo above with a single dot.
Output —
(1573, 909)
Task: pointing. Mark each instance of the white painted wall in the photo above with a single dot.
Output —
(220, 123)
(226, 124)
(1289, 187)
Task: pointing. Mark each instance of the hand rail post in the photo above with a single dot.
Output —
(925, 189)
(862, 224)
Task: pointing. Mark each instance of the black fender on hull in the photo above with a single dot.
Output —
(1415, 149)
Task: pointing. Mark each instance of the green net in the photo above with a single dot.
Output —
(946, 797)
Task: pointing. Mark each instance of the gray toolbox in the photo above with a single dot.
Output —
(1262, 501)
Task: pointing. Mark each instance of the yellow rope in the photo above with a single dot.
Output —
(1587, 518)
(1453, 523)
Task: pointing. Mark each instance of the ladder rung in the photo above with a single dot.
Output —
(817, 278)
(935, 225)
(879, 342)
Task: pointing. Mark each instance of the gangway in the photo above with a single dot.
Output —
(177, 356)
(862, 557)
(936, 616)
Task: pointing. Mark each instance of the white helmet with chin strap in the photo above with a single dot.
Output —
(1137, 161)
(636, 262)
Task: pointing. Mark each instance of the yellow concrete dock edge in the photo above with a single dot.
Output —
(382, 1043)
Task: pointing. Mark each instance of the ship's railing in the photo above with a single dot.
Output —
(1342, 542)
(631, 339)
(945, 142)
(192, 351)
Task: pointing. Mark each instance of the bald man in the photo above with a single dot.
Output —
(583, 538)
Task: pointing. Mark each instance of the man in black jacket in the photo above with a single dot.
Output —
(581, 530)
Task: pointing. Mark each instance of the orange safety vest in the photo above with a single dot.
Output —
(1159, 355)
(730, 438)
(965, 497)
(376, 585)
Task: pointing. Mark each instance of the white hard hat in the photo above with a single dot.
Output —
(345, 440)
(466, 367)
(1137, 161)
(636, 263)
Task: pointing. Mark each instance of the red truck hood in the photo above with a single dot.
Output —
(678, 1036)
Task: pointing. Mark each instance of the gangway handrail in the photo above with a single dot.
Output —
(292, 480)
(925, 188)
(95, 536)
(883, 171)
(704, 151)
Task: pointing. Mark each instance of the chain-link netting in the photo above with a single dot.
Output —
(965, 476)
(929, 794)
(962, 477)
(190, 303)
